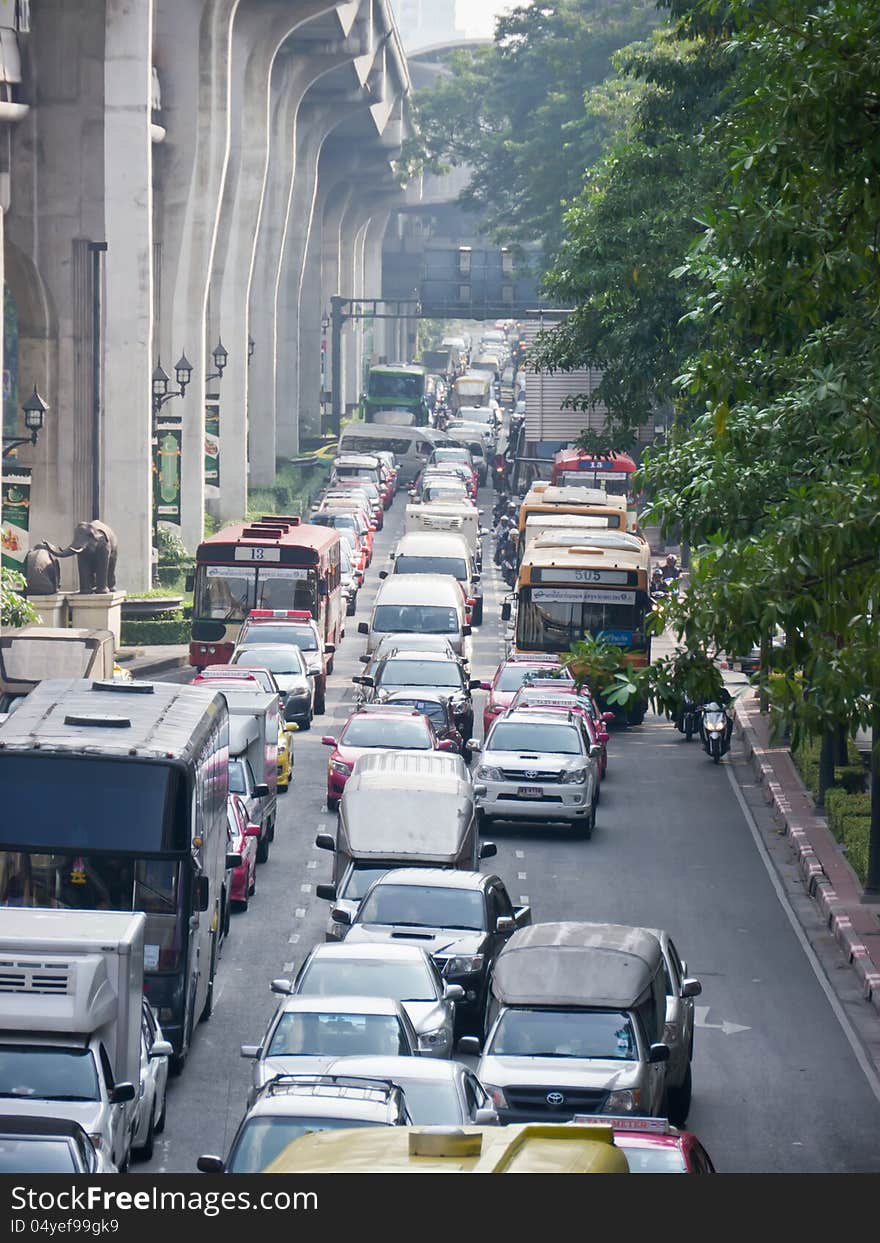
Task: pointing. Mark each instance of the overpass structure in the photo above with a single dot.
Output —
(190, 182)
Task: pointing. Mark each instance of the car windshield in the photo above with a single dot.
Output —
(359, 881)
(421, 673)
(455, 566)
(605, 1034)
(424, 906)
(265, 632)
(334, 977)
(36, 1155)
(338, 1034)
(420, 618)
(454, 488)
(532, 737)
(430, 1102)
(284, 658)
(650, 1159)
(406, 733)
(512, 677)
(30, 1072)
(261, 1140)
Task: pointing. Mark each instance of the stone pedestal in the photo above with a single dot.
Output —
(52, 610)
(98, 612)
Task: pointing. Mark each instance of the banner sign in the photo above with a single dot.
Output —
(166, 475)
(615, 577)
(15, 513)
(212, 448)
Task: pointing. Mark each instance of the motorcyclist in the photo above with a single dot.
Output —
(670, 569)
(500, 466)
(658, 582)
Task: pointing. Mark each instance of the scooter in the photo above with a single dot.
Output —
(689, 718)
(716, 729)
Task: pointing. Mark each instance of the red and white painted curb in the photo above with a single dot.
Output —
(818, 885)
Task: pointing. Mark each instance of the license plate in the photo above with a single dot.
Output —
(737, 666)
(529, 792)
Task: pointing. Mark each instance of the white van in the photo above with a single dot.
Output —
(460, 519)
(420, 604)
(440, 552)
(411, 446)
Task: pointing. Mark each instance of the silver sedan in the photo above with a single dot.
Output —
(436, 1093)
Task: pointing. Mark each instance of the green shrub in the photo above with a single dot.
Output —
(853, 776)
(849, 818)
(173, 629)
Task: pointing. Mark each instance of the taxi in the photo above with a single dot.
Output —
(653, 1145)
(285, 753)
(527, 1148)
(292, 626)
(511, 675)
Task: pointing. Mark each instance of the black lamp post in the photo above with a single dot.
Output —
(221, 357)
(35, 410)
(183, 370)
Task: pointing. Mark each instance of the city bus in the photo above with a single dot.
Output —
(397, 387)
(566, 592)
(580, 501)
(275, 562)
(613, 473)
(114, 798)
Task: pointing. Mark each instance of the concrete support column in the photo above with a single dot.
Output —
(373, 237)
(126, 478)
(331, 255)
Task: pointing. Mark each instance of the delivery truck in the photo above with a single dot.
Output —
(253, 758)
(71, 988)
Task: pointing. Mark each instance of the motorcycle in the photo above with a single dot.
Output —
(688, 721)
(508, 572)
(716, 729)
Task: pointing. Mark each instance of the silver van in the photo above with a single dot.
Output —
(420, 604)
(576, 1019)
(400, 809)
(411, 446)
(440, 552)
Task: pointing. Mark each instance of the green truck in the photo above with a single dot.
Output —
(396, 389)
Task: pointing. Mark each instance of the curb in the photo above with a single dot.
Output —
(817, 884)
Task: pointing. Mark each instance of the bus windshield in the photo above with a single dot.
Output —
(388, 384)
(228, 593)
(550, 620)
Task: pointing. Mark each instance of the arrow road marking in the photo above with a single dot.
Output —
(729, 1029)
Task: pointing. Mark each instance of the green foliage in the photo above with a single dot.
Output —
(171, 630)
(514, 112)
(15, 611)
(849, 779)
(849, 817)
(595, 663)
(293, 490)
(172, 550)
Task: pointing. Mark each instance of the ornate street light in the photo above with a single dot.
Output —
(183, 370)
(35, 410)
(220, 356)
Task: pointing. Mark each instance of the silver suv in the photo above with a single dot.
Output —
(292, 1105)
(538, 766)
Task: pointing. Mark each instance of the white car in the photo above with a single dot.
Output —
(155, 1052)
(538, 766)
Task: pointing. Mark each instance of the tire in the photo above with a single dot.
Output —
(689, 728)
(332, 804)
(241, 905)
(263, 848)
(477, 615)
(716, 751)
(678, 1100)
(145, 1152)
(272, 830)
(320, 702)
(484, 823)
(307, 723)
(160, 1121)
(585, 830)
(252, 887)
(208, 1007)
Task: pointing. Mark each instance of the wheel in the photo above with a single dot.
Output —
(716, 750)
(241, 905)
(208, 1008)
(678, 1100)
(352, 608)
(307, 723)
(160, 1121)
(484, 822)
(689, 729)
(320, 701)
(263, 848)
(477, 615)
(252, 887)
(332, 803)
(272, 829)
(145, 1152)
(585, 830)
(332, 658)
(177, 1061)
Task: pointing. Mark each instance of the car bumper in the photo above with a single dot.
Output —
(297, 709)
(556, 802)
(336, 784)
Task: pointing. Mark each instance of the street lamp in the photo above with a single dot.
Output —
(183, 370)
(220, 356)
(35, 410)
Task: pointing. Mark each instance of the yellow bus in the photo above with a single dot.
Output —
(580, 501)
(526, 1148)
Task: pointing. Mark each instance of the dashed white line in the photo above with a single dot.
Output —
(305, 888)
(293, 938)
(523, 899)
(288, 966)
(520, 854)
(300, 912)
(521, 876)
(312, 863)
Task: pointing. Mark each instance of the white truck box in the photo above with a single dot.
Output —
(75, 972)
(253, 731)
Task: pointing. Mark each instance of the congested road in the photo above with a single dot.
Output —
(778, 1083)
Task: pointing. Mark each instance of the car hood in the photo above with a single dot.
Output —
(579, 1072)
(524, 760)
(292, 682)
(425, 1016)
(89, 1114)
(438, 942)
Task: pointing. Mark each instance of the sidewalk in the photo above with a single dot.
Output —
(148, 662)
(828, 878)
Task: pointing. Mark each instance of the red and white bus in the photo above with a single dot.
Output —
(276, 562)
(573, 468)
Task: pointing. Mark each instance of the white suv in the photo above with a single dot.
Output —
(538, 766)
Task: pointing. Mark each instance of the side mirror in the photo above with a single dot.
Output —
(364, 659)
(488, 850)
(475, 579)
(161, 1048)
(474, 744)
(453, 992)
(383, 573)
(201, 894)
(341, 916)
(505, 925)
(282, 986)
(326, 892)
(210, 1165)
(250, 1050)
(595, 751)
(122, 1094)
(505, 611)
(691, 988)
(446, 744)
(483, 1117)
(475, 684)
(470, 1046)
(658, 1053)
(603, 736)
(328, 741)
(233, 861)
(465, 630)
(325, 841)
(329, 648)
(363, 628)
(607, 716)
(252, 830)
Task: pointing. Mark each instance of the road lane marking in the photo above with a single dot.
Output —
(305, 888)
(520, 854)
(523, 899)
(300, 912)
(839, 1013)
(293, 938)
(701, 1019)
(288, 966)
(312, 863)
(521, 876)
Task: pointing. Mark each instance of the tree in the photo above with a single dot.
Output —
(14, 608)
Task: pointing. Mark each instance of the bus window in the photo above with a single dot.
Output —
(225, 593)
(285, 589)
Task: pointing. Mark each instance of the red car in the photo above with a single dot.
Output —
(377, 727)
(566, 700)
(509, 677)
(652, 1146)
(242, 840)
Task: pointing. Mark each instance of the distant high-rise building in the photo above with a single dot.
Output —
(424, 22)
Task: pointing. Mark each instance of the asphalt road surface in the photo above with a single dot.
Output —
(781, 1083)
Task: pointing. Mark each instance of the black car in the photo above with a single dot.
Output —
(33, 1145)
(462, 919)
(407, 670)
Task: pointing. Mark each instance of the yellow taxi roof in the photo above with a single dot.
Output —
(527, 1148)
